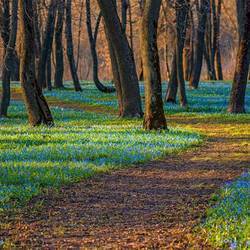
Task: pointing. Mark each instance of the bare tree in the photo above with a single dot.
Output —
(199, 45)
(123, 64)
(182, 10)
(36, 105)
(154, 114)
(59, 68)
(92, 42)
(237, 99)
(9, 33)
(47, 43)
(70, 46)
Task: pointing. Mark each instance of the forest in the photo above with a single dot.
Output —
(124, 124)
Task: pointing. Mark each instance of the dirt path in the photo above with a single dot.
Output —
(152, 206)
(53, 101)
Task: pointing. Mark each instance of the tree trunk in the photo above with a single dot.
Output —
(38, 45)
(207, 58)
(173, 82)
(124, 11)
(182, 9)
(237, 99)
(14, 76)
(188, 52)
(10, 33)
(5, 34)
(59, 68)
(218, 63)
(81, 2)
(70, 47)
(47, 43)
(37, 107)
(92, 42)
(199, 46)
(154, 113)
(211, 38)
(140, 71)
(131, 32)
(48, 73)
(116, 75)
(131, 100)
(240, 7)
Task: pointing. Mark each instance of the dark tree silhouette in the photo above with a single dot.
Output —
(172, 84)
(36, 105)
(59, 68)
(92, 41)
(199, 45)
(9, 33)
(154, 114)
(70, 46)
(47, 44)
(123, 64)
(237, 99)
(182, 10)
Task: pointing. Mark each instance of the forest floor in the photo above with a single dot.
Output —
(156, 205)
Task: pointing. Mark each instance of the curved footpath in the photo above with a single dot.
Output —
(151, 206)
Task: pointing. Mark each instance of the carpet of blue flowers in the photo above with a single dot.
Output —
(33, 160)
(228, 222)
(208, 98)
(80, 145)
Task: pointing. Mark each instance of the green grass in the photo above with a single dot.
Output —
(228, 222)
(83, 144)
(80, 145)
(208, 98)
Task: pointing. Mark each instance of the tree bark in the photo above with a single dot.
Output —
(218, 63)
(237, 99)
(131, 101)
(70, 46)
(131, 32)
(59, 68)
(188, 52)
(210, 40)
(140, 71)
(199, 45)
(36, 105)
(154, 113)
(14, 76)
(9, 34)
(38, 44)
(240, 7)
(81, 2)
(48, 73)
(172, 88)
(47, 43)
(124, 11)
(116, 75)
(92, 42)
(5, 34)
(182, 9)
